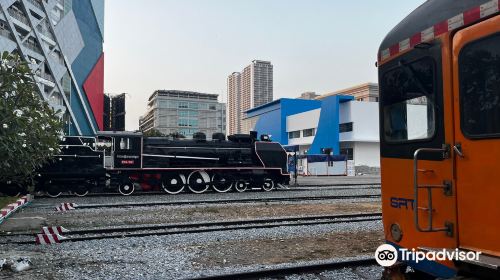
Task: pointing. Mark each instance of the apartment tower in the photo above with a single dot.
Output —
(251, 88)
(233, 103)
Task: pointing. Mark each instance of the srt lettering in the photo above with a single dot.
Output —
(401, 202)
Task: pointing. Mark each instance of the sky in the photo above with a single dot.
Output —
(314, 45)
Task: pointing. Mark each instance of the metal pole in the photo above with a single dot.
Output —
(296, 170)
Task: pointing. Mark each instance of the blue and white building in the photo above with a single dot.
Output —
(337, 123)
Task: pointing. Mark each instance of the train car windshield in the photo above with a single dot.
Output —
(409, 101)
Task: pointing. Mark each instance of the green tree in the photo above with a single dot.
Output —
(176, 135)
(29, 128)
(153, 133)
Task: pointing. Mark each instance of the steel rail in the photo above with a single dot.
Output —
(339, 184)
(297, 188)
(225, 201)
(198, 227)
(217, 201)
(289, 270)
(329, 188)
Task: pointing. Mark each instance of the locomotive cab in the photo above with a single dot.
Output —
(439, 75)
(121, 149)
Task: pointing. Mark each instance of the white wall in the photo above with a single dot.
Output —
(305, 120)
(322, 168)
(301, 141)
(364, 139)
(364, 116)
(300, 122)
(367, 153)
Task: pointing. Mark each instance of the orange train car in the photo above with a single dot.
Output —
(439, 76)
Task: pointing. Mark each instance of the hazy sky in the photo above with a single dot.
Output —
(314, 45)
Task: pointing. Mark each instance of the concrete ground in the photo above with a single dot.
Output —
(334, 180)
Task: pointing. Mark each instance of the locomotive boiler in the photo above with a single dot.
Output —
(127, 161)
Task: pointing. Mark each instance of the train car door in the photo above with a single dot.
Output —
(476, 74)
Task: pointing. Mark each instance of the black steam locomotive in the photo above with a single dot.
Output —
(126, 161)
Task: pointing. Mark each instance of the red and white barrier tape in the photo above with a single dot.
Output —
(462, 19)
(66, 206)
(45, 239)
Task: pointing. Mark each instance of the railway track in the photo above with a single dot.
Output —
(280, 272)
(337, 184)
(295, 188)
(199, 227)
(216, 201)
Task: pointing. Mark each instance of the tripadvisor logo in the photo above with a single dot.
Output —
(387, 255)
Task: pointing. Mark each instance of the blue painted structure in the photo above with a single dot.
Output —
(91, 28)
(327, 133)
(272, 120)
(272, 116)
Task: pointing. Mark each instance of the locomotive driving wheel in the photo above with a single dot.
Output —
(84, 188)
(126, 188)
(240, 186)
(221, 184)
(198, 181)
(53, 191)
(268, 184)
(81, 190)
(173, 184)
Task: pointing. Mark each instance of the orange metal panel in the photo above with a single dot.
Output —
(397, 182)
(478, 173)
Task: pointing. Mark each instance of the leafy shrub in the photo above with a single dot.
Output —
(29, 127)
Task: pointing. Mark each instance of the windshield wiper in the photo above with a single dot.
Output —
(413, 76)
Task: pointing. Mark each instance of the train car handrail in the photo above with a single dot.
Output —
(446, 186)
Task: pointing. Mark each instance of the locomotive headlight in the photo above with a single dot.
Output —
(396, 232)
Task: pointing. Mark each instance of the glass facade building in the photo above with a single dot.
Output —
(184, 112)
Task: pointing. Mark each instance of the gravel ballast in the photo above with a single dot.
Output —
(153, 257)
(188, 255)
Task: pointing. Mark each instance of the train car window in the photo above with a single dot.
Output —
(479, 72)
(408, 108)
(125, 144)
